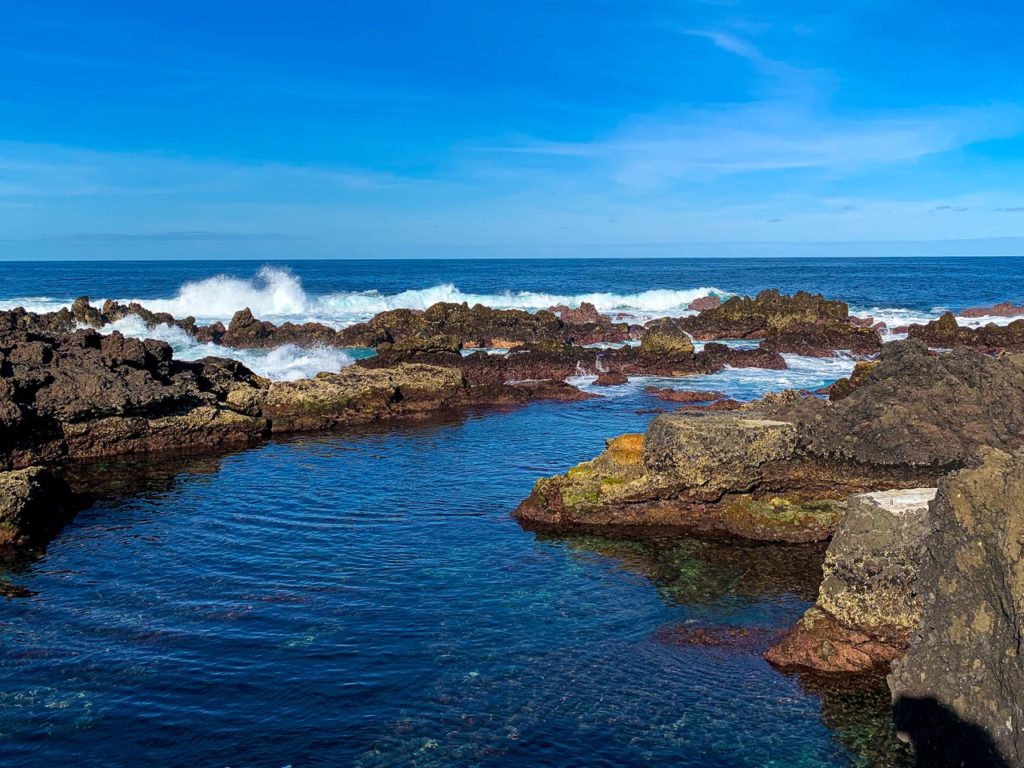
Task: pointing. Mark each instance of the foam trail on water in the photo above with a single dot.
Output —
(809, 373)
(284, 363)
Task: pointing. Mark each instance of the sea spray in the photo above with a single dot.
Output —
(276, 294)
(285, 363)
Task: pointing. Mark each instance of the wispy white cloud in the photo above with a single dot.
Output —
(770, 136)
(729, 43)
(33, 170)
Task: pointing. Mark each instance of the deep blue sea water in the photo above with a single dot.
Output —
(363, 598)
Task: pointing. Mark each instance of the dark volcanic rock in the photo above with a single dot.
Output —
(959, 692)
(611, 379)
(246, 332)
(84, 394)
(19, 320)
(919, 409)
(759, 357)
(803, 323)
(34, 503)
(742, 317)
(843, 387)
(113, 311)
(481, 326)
(946, 333)
(822, 339)
(781, 468)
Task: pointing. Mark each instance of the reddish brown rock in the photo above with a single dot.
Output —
(586, 313)
(868, 603)
(704, 303)
(1003, 309)
(684, 396)
(611, 379)
(821, 643)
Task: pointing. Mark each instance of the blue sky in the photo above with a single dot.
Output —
(345, 129)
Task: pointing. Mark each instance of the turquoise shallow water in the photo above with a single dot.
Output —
(364, 598)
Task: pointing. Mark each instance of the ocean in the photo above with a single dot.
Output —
(363, 597)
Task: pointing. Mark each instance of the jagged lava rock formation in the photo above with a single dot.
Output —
(915, 408)
(83, 395)
(909, 419)
(867, 604)
(947, 333)
(959, 691)
(803, 323)
(481, 326)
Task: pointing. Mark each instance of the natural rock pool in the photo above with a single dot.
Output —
(364, 598)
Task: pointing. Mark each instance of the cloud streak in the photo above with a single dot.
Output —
(756, 138)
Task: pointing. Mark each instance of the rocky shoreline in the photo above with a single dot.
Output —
(926, 581)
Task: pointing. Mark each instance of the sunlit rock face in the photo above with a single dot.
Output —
(867, 605)
(959, 692)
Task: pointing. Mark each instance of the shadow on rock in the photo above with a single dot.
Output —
(944, 740)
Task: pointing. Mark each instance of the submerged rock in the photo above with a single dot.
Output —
(959, 691)
(867, 605)
(685, 395)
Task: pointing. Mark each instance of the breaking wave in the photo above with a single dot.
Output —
(284, 363)
(276, 294)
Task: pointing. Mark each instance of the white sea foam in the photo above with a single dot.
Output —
(276, 294)
(284, 363)
(740, 383)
